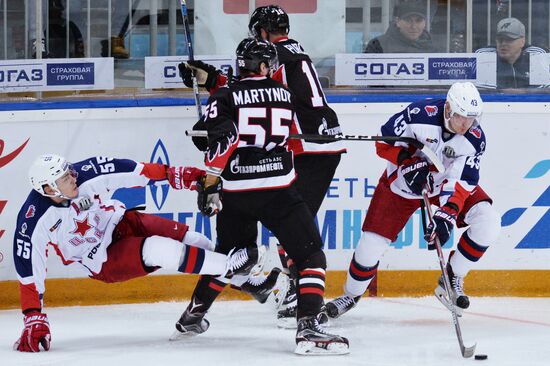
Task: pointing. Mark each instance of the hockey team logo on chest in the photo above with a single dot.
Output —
(81, 229)
(431, 110)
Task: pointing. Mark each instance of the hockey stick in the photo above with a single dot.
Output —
(409, 140)
(467, 352)
(187, 32)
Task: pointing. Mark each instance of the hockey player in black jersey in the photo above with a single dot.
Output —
(315, 161)
(248, 123)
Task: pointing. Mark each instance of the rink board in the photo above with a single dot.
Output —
(514, 171)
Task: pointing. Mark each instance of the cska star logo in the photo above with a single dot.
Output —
(431, 110)
(82, 227)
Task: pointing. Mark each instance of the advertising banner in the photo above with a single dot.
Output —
(539, 67)
(162, 72)
(56, 74)
(415, 69)
(518, 179)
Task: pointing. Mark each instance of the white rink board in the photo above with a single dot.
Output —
(517, 142)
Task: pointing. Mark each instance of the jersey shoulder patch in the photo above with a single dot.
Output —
(427, 112)
(476, 137)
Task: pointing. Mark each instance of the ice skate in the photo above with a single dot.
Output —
(240, 262)
(311, 339)
(190, 325)
(261, 288)
(458, 297)
(341, 305)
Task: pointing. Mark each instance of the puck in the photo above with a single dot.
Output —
(480, 357)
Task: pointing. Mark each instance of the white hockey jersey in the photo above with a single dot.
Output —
(460, 154)
(79, 238)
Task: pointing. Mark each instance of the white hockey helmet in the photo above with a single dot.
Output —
(464, 99)
(46, 169)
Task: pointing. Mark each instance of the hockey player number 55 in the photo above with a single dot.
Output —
(248, 127)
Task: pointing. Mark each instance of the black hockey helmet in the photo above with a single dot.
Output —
(252, 52)
(272, 18)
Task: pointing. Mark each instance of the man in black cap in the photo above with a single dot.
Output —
(513, 54)
(407, 34)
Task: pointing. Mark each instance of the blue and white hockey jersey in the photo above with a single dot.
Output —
(80, 238)
(460, 154)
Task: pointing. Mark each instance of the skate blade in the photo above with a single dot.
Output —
(259, 266)
(279, 291)
(179, 336)
(441, 295)
(308, 348)
(287, 323)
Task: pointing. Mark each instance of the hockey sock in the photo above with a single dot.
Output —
(467, 254)
(206, 291)
(198, 260)
(311, 290)
(359, 278)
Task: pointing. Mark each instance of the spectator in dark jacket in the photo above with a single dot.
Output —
(407, 34)
(512, 54)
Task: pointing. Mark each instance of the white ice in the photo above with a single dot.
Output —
(382, 331)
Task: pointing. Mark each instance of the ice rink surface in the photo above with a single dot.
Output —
(382, 331)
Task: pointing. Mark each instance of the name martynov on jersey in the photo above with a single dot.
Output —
(79, 238)
(314, 115)
(460, 154)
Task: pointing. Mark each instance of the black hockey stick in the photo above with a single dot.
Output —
(467, 352)
(409, 140)
(187, 32)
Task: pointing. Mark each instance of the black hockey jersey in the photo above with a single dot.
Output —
(314, 116)
(248, 124)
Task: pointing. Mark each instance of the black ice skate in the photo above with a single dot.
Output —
(240, 262)
(341, 305)
(459, 299)
(262, 288)
(191, 322)
(286, 317)
(311, 339)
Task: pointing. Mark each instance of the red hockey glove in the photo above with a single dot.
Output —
(444, 221)
(184, 177)
(416, 173)
(36, 333)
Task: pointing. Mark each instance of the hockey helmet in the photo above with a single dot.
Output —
(271, 18)
(46, 169)
(464, 99)
(252, 52)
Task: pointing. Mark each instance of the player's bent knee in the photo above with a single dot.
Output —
(159, 251)
(485, 223)
(370, 248)
(199, 240)
(315, 260)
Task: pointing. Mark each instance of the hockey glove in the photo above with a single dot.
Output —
(443, 223)
(206, 75)
(184, 177)
(35, 334)
(416, 173)
(209, 198)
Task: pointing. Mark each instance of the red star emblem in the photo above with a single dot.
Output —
(82, 227)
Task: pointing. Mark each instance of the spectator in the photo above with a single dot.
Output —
(407, 34)
(512, 54)
(57, 35)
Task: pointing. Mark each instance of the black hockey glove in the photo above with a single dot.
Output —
(209, 198)
(443, 223)
(416, 173)
(207, 75)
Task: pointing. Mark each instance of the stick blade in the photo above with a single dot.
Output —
(468, 352)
